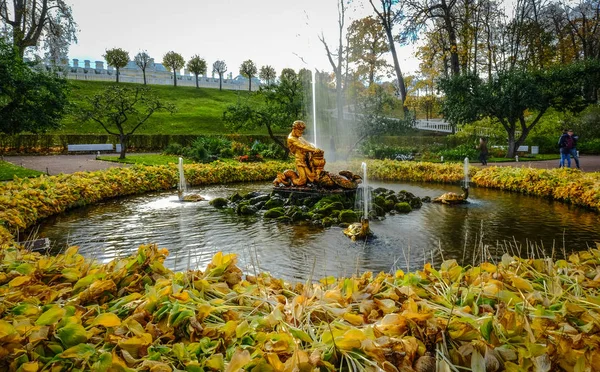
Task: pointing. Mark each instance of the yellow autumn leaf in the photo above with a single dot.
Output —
(522, 284)
(215, 362)
(30, 367)
(274, 361)
(354, 319)
(19, 281)
(107, 320)
(489, 267)
(238, 360)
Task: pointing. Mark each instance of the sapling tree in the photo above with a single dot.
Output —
(175, 62)
(197, 66)
(248, 69)
(118, 58)
(220, 67)
(123, 110)
(142, 60)
(267, 74)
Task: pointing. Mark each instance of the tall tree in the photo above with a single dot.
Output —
(142, 60)
(268, 74)
(389, 16)
(31, 22)
(517, 98)
(197, 66)
(118, 58)
(248, 70)
(30, 101)
(220, 68)
(123, 110)
(367, 43)
(337, 66)
(175, 62)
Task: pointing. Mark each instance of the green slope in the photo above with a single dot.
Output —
(199, 110)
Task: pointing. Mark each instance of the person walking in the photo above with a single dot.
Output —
(483, 151)
(573, 151)
(565, 151)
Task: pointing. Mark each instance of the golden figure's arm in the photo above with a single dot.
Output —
(301, 144)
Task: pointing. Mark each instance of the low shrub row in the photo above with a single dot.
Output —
(46, 143)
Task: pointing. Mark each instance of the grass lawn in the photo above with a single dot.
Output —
(537, 157)
(199, 110)
(8, 171)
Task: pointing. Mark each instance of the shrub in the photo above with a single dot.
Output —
(459, 153)
(174, 149)
(239, 148)
(197, 152)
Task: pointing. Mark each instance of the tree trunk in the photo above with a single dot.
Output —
(220, 81)
(144, 72)
(174, 78)
(117, 74)
(123, 139)
(249, 83)
(197, 81)
(401, 85)
(277, 141)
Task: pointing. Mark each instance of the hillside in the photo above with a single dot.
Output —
(199, 110)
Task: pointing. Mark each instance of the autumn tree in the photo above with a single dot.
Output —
(142, 60)
(268, 74)
(175, 62)
(220, 68)
(367, 43)
(30, 23)
(197, 66)
(120, 111)
(248, 70)
(389, 15)
(118, 58)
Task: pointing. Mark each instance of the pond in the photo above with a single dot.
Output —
(493, 223)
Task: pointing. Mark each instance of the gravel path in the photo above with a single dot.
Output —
(55, 164)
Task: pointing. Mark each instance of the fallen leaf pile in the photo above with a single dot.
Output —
(67, 312)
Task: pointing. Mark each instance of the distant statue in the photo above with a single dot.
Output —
(310, 164)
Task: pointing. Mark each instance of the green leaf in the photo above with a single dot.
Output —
(72, 334)
(81, 351)
(103, 363)
(51, 316)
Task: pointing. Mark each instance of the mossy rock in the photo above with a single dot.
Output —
(330, 209)
(416, 203)
(257, 199)
(389, 205)
(274, 212)
(380, 201)
(426, 199)
(403, 207)
(219, 203)
(274, 203)
(299, 216)
(236, 197)
(379, 211)
(245, 209)
(348, 216)
(284, 219)
(316, 216)
(251, 195)
(392, 197)
(325, 201)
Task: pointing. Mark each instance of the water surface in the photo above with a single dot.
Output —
(493, 223)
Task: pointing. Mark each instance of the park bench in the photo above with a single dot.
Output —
(90, 147)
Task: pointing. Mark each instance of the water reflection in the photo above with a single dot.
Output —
(193, 232)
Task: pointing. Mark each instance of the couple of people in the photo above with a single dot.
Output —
(568, 147)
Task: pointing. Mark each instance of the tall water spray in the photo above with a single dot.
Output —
(466, 169)
(314, 105)
(366, 192)
(181, 187)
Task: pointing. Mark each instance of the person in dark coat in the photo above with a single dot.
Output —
(483, 151)
(565, 150)
(573, 151)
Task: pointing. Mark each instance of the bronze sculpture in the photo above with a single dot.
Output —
(310, 164)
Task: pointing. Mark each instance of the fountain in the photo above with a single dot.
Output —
(466, 170)
(182, 187)
(360, 230)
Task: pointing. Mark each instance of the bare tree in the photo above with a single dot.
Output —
(388, 18)
(337, 67)
(40, 20)
(220, 68)
(142, 60)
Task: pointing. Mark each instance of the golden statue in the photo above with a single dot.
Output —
(310, 164)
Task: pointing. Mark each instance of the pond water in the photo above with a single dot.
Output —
(493, 223)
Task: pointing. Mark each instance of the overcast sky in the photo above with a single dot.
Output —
(269, 32)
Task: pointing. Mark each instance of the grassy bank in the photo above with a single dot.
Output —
(199, 110)
(9, 171)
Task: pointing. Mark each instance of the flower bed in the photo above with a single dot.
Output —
(67, 312)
